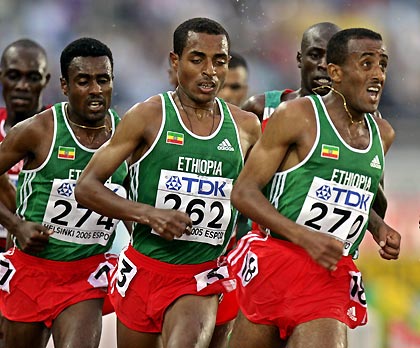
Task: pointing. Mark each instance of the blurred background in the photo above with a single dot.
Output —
(267, 33)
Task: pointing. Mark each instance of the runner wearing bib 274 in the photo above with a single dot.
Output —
(80, 240)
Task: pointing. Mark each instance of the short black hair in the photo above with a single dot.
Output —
(337, 47)
(196, 25)
(24, 43)
(237, 60)
(83, 47)
(323, 29)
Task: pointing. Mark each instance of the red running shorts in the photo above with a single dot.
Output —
(38, 290)
(279, 284)
(142, 288)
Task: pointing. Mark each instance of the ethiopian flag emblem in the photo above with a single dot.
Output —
(329, 151)
(174, 138)
(65, 152)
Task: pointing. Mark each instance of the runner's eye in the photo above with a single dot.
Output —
(234, 86)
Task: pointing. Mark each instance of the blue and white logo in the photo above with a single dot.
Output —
(324, 192)
(65, 189)
(173, 183)
(345, 197)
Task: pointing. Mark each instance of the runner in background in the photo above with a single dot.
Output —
(24, 76)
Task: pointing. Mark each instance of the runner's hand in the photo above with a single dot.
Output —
(32, 237)
(168, 223)
(389, 240)
(323, 249)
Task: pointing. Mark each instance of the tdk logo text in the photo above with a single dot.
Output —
(344, 197)
(194, 185)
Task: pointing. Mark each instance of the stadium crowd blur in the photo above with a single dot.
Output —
(266, 32)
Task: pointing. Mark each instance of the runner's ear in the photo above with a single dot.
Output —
(335, 72)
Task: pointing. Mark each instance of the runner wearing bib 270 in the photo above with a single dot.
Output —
(338, 199)
(330, 191)
(310, 182)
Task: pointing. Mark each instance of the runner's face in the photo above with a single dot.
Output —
(235, 88)
(364, 74)
(203, 66)
(23, 77)
(313, 64)
(89, 88)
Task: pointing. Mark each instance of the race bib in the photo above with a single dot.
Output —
(7, 271)
(249, 268)
(99, 278)
(336, 209)
(211, 276)
(71, 222)
(125, 273)
(205, 199)
(357, 289)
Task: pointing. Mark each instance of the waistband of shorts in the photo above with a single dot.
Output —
(70, 266)
(290, 245)
(159, 266)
